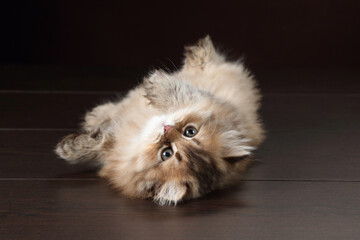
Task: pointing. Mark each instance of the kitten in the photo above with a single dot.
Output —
(176, 136)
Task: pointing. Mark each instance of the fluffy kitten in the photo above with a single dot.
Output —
(176, 136)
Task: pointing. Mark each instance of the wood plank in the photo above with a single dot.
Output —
(29, 154)
(47, 110)
(280, 112)
(256, 210)
(308, 155)
(312, 113)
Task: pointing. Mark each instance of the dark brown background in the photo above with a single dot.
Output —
(61, 58)
(72, 45)
(295, 33)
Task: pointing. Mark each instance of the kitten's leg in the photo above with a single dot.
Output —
(200, 55)
(80, 147)
(92, 141)
(166, 92)
(99, 116)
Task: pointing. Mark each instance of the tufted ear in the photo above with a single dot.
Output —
(234, 145)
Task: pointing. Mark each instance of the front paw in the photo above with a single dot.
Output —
(65, 148)
(157, 88)
(77, 147)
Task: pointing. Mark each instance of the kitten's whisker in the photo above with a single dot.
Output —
(209, 123)
(157, 139)
(176, 68)
(163, 65)
(216, 123)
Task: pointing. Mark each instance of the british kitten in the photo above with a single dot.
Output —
(177, 135)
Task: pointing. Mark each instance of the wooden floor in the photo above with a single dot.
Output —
(306, 185)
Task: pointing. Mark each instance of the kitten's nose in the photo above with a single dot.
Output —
(167, 128)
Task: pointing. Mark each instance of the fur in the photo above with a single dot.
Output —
(218, 98)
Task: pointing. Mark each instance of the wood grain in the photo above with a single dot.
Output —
(332, 113)
(30, 154)
(308, 155)
(256, 210)
(305, 187)
(34, 110)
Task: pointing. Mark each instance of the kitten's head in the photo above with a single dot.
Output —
(186, 153)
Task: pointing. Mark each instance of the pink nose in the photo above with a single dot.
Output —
(167, 128)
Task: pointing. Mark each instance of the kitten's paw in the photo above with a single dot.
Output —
(157, 88)
(79, 147)
(64, 148)
(200, 54)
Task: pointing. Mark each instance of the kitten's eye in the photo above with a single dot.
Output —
(166, 154)
(190, 132)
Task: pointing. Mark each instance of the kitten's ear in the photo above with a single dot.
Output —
(200, 54)
(234, 145)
